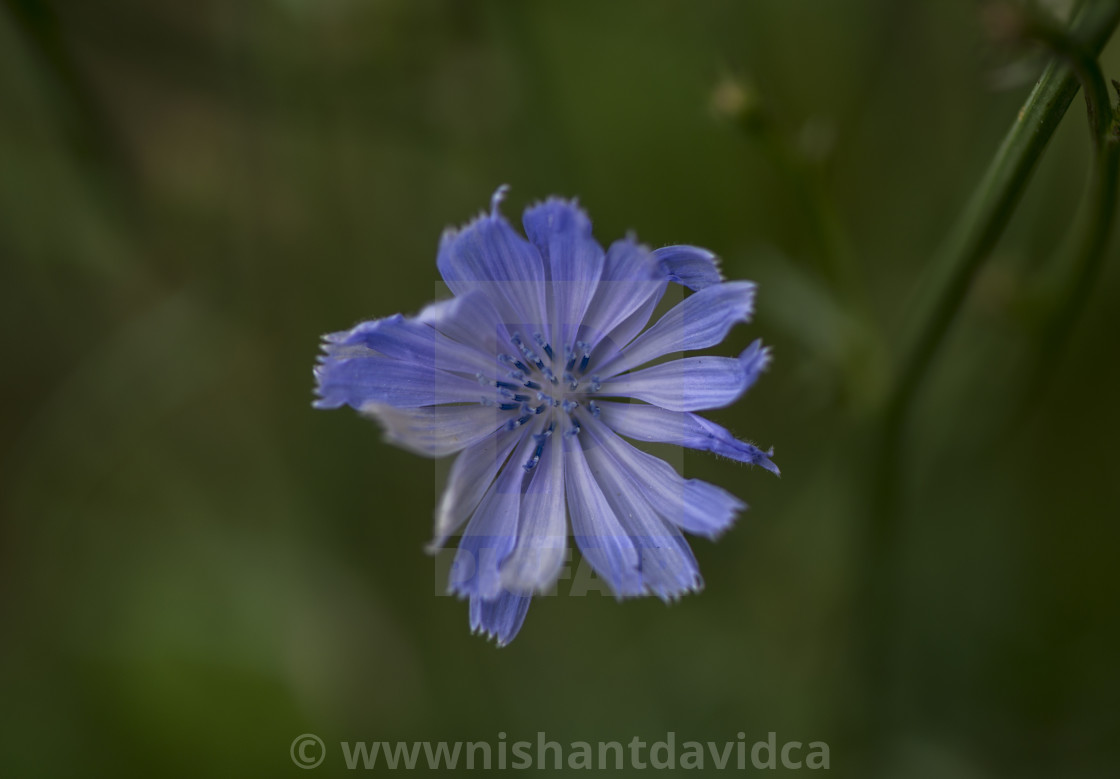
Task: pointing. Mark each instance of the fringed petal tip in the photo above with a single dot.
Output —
(323, 398)
(669, 597)
(499, 619)
(767, 463)
(333, 348)
(669, 594)
(756, 357)
(500, 642)
(689, 266)
(555, 214)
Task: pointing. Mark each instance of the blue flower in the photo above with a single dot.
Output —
(531, 373)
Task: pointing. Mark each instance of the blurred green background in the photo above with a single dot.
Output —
(195, 567)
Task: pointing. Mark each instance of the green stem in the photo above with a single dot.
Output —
(1087, 70)
(1088, 257)
(990, 208)
(981, 224)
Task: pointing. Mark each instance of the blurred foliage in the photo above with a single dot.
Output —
(196, 567)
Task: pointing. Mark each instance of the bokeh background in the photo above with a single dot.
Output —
(195, 567)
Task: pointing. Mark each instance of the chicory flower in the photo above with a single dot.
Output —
(533, 375)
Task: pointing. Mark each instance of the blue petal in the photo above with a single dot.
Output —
(691, 266)
(655, 424)
(436, 431)
(542, 528)
(630, 288)
(470, 323)
(491, 533)
(471, 476)
(601, 539)
(573, 261)
(488, 255)
(356, 375)
(697, 322)
(413, 340)
(692, 383)
(690, 504)
(500, 618)
(667, 565)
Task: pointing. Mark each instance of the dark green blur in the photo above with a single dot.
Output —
(196, 567)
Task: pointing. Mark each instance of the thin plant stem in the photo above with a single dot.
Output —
(1088, 257)
(991, 207)
(954, 268)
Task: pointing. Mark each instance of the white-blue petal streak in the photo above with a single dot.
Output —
(690, 504)
(436, 431)
(699, 321)
(542, 529)
(654, 424)
(692, 383)
(573, 262)
(600, 536)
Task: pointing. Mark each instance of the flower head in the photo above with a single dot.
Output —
(532, 373)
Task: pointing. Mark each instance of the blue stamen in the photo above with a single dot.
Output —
(513, 424)
(594, 407)
(586, 348)
(541, 439)
(536, 458)
(506, 359)
(530, 355)
(596, 385)
(543, 344)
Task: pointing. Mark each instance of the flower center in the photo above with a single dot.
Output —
(542, 384)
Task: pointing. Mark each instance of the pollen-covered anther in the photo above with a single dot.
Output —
(541, 439)
(543, 344)
(518, 366)
(530, 355)
(585, 350)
